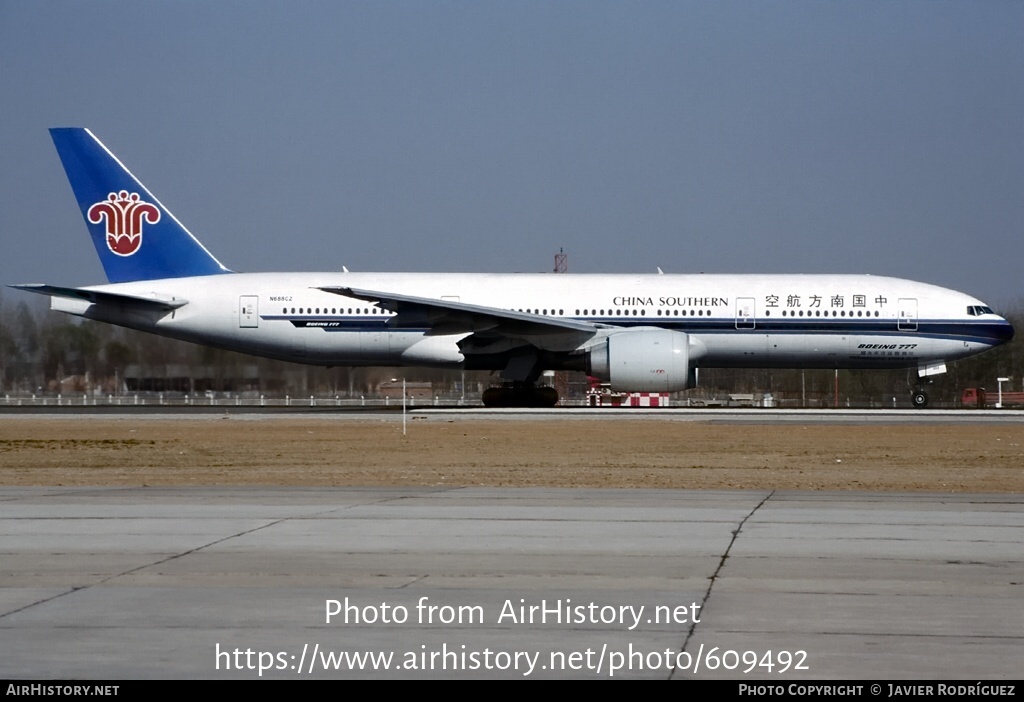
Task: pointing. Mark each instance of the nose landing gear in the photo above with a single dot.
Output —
(919, 398)
(919, 392)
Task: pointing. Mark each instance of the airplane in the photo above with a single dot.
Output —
(638, 333)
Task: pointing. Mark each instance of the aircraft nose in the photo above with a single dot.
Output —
(1004, 332)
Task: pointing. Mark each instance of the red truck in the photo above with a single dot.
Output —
(982, 398)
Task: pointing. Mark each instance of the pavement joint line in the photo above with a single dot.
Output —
(205, 546)
(413, 581)
(107, 579)
(60, 491)
(168, 559)
(714, 576)
(43, 601)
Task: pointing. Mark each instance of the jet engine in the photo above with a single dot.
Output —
(644, 360)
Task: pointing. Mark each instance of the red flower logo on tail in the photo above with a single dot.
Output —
(124, 213)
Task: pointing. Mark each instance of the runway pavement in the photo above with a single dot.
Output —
(678, 414)
(745, 416)
(127, 583)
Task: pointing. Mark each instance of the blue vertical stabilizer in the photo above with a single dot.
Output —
(136, 237)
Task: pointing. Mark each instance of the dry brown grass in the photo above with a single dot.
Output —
(634, 453)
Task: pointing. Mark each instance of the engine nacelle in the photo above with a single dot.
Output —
(644, 360)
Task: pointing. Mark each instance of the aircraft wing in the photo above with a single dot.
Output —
(451, 317)
(106, 298)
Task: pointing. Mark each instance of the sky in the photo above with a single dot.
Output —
(720, 137)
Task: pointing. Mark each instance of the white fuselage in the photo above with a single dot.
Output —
(809, 321)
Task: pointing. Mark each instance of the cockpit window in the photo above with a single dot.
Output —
(978, 310)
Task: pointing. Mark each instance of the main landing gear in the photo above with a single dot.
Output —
(519, 394)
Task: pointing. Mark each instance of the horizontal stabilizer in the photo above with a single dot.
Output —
(100, 297)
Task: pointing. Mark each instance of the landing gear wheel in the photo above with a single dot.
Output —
(919, 398)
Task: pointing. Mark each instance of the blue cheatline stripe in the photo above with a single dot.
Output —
(987, 332)
(983, 333)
